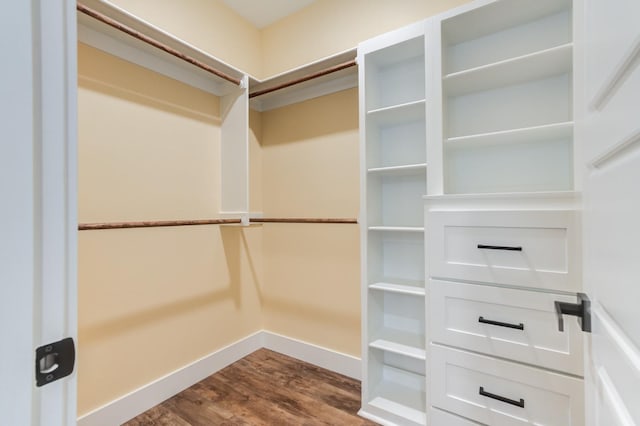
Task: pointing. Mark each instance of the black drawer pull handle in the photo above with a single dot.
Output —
(501, 324)
(502, 398)
(507, 248)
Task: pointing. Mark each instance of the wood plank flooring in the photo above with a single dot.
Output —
(264, 388)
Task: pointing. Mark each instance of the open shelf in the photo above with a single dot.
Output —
(415, 288)
(408, 169)
(319, 78)
(504, 30)
(395, 74)
(410, 350)
(534, 166)
(396, 135)
(398, 112)
(507, 98)
(395, 200)
(115, 41)
(557, 131)
(397, 253)
(390, 394)
(534, 66)
(398, 386)
(396, 323)
(412, 229)
(529, 104)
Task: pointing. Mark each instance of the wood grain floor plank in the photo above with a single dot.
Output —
(158, 416)
(263, 389)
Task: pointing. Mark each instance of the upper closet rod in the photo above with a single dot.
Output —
(300, 220)
(133, 33)
(307, 77)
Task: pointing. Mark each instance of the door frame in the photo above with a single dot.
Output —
(38, 218)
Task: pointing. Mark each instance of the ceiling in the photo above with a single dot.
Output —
(265, 12)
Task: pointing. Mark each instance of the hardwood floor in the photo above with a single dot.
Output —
(264, 388)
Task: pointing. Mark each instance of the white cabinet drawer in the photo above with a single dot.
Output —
(442, 418)
(500, 393)
(521, 248)
(509, 323)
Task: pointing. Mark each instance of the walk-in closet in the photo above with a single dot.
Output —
(300, 212)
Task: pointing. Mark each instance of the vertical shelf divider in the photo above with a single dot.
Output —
(234, 179)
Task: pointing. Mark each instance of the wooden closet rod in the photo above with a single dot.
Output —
(300, 220)
(307, 77)
(163, 223)
(133, 33)
(153, 224)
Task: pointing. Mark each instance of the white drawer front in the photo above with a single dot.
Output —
(523, 248)
(458, 378)
(442, 418)
(482, 318)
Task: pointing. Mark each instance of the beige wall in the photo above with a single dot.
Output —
(153, 300)
(138, 130)
(327, 27)
(311, 271)
(207, 24)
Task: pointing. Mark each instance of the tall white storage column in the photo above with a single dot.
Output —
(393, 182)
(503, 216)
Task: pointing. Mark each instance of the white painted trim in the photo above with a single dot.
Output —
(142, 399)
(347, 365)
(613, 399)
(18, 189)
(617, 336)
(623, 70)
(622, 148)
(150, 395)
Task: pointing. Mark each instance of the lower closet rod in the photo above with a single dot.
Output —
(162, 223)
(152, 224)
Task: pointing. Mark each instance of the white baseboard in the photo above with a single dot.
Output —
(338, 362)
(134, 403)
(150, 395)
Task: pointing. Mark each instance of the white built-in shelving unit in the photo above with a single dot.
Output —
(507, 98)
(459, 324)
(502, 216)
(393, 179)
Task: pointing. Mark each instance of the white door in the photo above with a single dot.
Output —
(612, 210)
(38, 207)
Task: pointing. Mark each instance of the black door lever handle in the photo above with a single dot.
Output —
(582, 310)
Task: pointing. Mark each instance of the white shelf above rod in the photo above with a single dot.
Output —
(155, 43)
